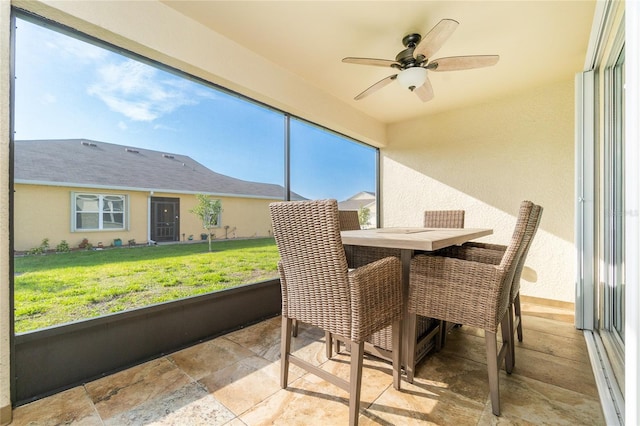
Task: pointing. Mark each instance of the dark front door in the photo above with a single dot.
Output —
(165, 219)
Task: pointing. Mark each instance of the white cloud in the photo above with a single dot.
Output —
(48, 98)
(138, 91)
(122, 125)
(164, 127)
(69, 46)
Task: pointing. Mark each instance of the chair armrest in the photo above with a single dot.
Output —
(474, 253)
(358, 256)
(376, 296)
(457, 290)
(497, 247)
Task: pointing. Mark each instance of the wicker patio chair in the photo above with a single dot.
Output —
(492, 253)
(349, 220)
(532, 229)
(318, 289)
(440, 219)
(470, 293)
(444, 219)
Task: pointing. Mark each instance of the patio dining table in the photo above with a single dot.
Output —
(408, 240)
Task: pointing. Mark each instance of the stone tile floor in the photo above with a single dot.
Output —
(234, 380)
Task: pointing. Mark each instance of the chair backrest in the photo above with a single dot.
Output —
(313, 266)
(349, 220)
(510, 260)
(529, 233)
(444, 219)
(515, 248)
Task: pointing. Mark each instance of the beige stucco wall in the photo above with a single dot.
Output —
(486, 159)
(45, 212)
(246, 217)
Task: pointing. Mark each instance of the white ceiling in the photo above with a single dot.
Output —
(539, 42)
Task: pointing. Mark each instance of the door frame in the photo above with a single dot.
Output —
(152, 217)
(604, 19)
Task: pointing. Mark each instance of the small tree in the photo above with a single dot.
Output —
(208, 210)
(364, 214)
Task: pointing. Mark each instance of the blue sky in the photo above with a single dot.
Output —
(67, 88)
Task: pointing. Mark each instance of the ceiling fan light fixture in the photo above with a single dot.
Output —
(412, 78)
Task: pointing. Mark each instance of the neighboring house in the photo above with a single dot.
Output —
(81, 189)
(362, 200)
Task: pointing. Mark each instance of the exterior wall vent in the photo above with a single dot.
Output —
(131, 150)
(169, 156)
(87, 143)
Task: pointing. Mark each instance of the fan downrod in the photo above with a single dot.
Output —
(411, 40)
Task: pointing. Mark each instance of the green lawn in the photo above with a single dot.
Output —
(58, 288)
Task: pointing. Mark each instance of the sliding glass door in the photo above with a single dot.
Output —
(611, 309)
(605, 207)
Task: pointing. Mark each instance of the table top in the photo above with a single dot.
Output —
(427, 239)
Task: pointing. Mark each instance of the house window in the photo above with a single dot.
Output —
(98, 212)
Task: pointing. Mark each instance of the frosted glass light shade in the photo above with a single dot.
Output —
(412, 77)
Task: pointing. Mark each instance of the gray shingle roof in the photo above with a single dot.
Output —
(354, 204)
(359, 200)
(87, 163)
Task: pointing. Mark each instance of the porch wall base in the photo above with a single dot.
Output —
(54, 359)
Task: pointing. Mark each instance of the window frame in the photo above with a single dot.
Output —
(127, 219)
(100, 212)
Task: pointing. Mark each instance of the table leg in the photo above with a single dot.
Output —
(407, 339)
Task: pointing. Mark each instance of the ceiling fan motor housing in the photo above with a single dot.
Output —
(405, 57)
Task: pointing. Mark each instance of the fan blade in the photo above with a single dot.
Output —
(455, 63)
(424, 92)
(433, 41)
(378, 85)
(371, 61)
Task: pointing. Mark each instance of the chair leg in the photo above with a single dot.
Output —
(396, 354)
(511, 326)
(507, 340)
(518, 314)
(294, 331)
(492, 368)
(442, 336)
(355, 381)
(285, 349)
(411, 327)
(328, 344)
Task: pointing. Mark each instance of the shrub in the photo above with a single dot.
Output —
(34, 250)
(41, 249)
(63, 247)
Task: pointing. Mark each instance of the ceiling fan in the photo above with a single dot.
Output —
(414, 61)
